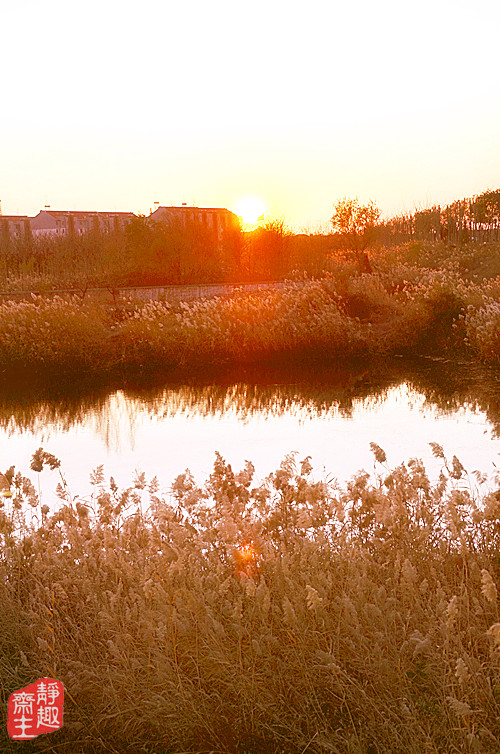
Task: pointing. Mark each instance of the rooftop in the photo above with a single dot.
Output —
(80, 213)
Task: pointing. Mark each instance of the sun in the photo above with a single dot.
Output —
(251, 210)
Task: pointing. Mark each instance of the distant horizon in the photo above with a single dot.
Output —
(320, 227)
(114, 105)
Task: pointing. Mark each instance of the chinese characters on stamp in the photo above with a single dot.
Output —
(35, 709)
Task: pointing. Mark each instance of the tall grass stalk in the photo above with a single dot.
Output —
(284, 616)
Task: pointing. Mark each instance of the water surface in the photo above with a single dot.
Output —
(330, 414)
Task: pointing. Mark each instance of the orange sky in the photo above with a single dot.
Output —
(116, 105)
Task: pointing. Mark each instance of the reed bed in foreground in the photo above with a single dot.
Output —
(285, 616)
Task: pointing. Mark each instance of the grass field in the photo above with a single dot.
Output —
(403, 306)
(283, 616)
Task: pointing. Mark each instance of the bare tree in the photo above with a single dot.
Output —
(355, 223)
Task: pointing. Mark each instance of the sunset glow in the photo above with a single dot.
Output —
(251, 211)
(205, 103)
(246, 560)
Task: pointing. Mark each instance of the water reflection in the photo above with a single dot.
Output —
(329, 413)
(447, 386)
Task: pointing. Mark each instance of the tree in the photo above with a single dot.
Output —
(268, 250)
(355, 223)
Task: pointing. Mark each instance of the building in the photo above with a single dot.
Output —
(53, 223)
(13, 228)
(49, 223)
(216, 220)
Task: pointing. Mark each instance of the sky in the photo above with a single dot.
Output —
(111, 105)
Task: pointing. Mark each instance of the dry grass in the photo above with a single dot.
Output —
(398, 309)
(363, 619)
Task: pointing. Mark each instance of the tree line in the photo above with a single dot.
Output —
(153, 253)
(472, 220)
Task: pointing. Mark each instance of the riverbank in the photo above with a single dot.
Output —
(274, 618)
(335, 319)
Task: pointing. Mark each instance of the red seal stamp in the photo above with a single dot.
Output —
(35, 709)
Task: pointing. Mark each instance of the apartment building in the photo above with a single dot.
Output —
(51, 222)
(13, 228)
(217, 220)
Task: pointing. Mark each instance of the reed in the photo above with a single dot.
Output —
(238, 616)
(335, 318)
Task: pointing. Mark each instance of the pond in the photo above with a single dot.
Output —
(331, 414)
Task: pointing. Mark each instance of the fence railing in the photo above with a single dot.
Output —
(170, 293)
